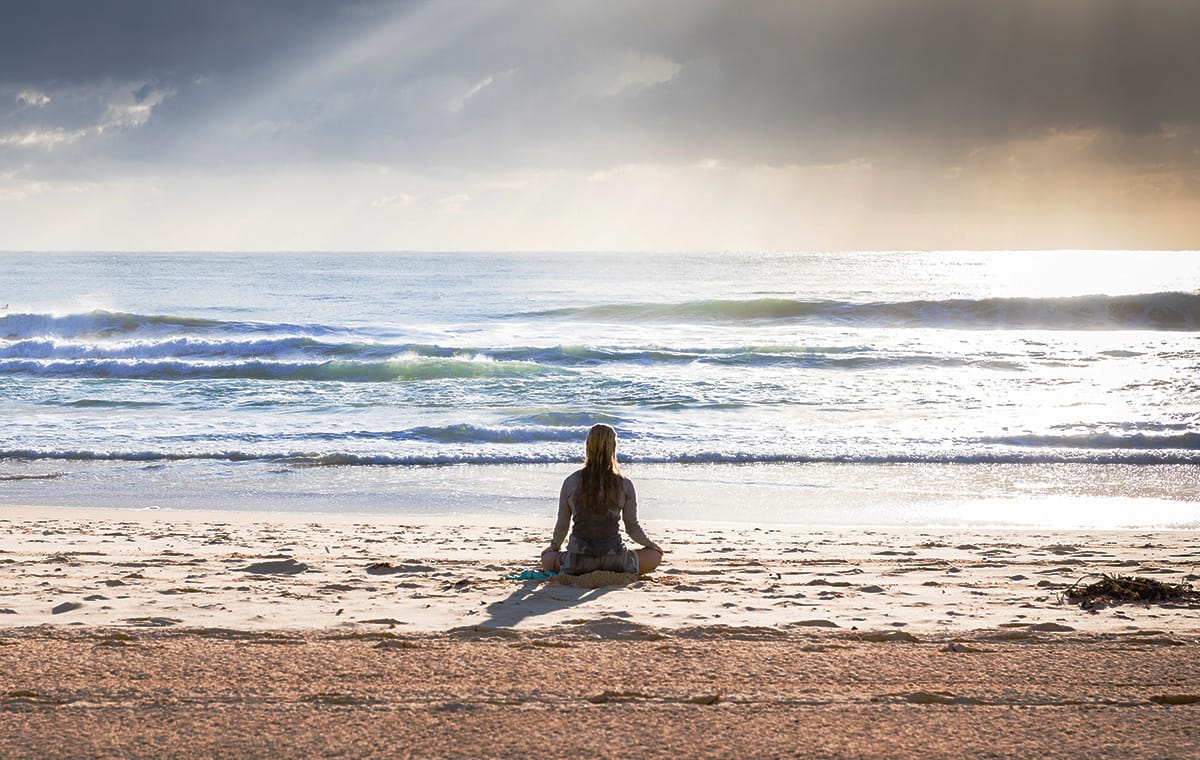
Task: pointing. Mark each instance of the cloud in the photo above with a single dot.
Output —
(396, 200)
(34, 98)
(844, 109)
(77, 122)
(44, 139)
(71, 43)
(565, 83)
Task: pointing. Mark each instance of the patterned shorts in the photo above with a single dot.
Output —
(576, 563)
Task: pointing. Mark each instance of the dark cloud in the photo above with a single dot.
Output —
(568, 83)
(69, 42)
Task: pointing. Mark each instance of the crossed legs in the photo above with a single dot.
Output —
(648, 560)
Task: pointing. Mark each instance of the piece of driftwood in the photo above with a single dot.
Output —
(1122, 589)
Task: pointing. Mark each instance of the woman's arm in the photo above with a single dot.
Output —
(564, 514)
(629, 515)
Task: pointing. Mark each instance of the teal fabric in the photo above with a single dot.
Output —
(529, 575)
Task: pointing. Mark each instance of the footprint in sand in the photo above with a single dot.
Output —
(279, 567)
(815, 624)
(1050, 628)
(387, 568)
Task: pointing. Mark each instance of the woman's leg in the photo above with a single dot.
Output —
(550, 561)
(648, 559)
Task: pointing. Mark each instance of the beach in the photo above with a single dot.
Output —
(266, 504)
(156, 633)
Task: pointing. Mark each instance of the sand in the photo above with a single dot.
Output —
(140, 634)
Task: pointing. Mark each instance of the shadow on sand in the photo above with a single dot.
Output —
(538, 598)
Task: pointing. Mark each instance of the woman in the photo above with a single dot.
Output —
(593, 499)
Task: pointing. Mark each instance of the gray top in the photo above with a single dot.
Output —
(570, 506)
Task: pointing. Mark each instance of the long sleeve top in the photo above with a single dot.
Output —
(569, 504)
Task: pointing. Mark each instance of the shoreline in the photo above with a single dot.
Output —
(34, 511)
(896, 496)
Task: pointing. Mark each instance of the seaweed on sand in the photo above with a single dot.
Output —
(1119, 589)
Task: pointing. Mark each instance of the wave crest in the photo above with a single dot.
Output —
(1106, 441)
(525, 457)
(406, 368)
(1151, 311)
(99, 323)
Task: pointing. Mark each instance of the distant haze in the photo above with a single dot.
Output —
(614, 125)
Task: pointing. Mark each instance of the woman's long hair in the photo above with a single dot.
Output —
(601, 475)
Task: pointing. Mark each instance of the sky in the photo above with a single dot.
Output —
(676, 125)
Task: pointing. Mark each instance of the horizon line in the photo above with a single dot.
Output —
(572, 251)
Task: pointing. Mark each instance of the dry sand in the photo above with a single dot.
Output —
(168, 634)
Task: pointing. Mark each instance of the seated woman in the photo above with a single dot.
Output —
(593, 499)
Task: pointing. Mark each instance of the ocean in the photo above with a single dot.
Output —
(1031, 389)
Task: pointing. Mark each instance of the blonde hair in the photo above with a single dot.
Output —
(601, 473)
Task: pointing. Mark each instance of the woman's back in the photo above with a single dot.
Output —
(595, 527)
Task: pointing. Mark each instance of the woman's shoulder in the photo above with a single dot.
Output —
(577, 476)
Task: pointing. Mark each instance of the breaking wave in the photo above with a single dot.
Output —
(121, 345)
(406, 368)
(1106, 441)
(1152, 311)
(570, 455)
(107, 324)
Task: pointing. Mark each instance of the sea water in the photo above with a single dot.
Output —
(1054, 389)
